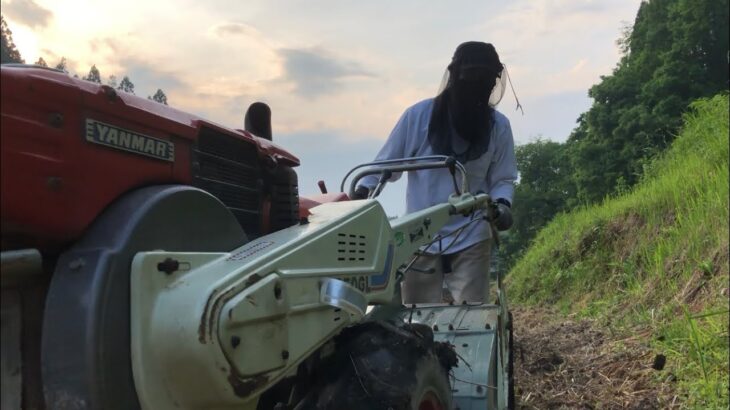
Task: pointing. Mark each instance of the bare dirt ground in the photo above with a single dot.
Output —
(562, 363)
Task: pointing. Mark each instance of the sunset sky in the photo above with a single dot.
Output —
(337, 74)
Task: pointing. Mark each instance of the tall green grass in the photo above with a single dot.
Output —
(655, 257)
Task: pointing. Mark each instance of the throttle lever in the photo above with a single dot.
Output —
(322, 187)
(451, 166)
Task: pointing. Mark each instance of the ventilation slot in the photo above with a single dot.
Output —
(228, 168)
(351, 247)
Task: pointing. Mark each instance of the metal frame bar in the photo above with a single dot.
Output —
(404, 164)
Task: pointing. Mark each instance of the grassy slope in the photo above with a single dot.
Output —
(653, 261)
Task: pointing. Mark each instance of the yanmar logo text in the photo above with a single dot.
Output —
(119, 138)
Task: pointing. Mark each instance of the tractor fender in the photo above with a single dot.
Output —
(85, 352)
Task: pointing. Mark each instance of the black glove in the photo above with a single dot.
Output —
(361, 192)
(503, 215)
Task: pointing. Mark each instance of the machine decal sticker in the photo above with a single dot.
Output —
(380, 281)
(358, 282)
(399, 238)
(125, 140)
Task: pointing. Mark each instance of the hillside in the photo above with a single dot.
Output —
(651, 265)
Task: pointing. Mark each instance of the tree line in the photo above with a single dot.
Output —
(675, 52)
(10, 54)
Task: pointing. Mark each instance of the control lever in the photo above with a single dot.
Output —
(381, 183)
(492, 214)
(322, 187)
(451, 166)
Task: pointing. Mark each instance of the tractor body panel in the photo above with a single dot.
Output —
(71, 147)
(243, 319)
(223, 328)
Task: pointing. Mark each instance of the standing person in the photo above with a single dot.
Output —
(460, 121)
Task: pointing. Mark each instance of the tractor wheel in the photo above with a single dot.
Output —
(511, 364)
(85, 354)
(378, 365)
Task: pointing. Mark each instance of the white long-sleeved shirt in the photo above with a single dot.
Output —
(494, 173)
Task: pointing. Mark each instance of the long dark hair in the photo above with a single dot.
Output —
(461, 107)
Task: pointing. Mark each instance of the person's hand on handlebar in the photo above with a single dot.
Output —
(502, 216)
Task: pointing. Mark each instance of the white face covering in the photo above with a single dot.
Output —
(464, 106)
(497, 92)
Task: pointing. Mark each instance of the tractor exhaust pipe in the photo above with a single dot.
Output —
(258, 120)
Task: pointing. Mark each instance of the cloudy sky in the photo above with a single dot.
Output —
(337, 74)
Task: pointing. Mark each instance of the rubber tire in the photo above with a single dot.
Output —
(430, 378)
(85, 359)
(382, 366)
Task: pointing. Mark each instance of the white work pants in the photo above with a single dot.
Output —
(468, 280)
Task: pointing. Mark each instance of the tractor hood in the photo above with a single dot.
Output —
(41, 82)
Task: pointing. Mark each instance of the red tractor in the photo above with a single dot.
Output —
(90, 176)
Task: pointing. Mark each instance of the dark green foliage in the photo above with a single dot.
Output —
(94, 75)
(676, 52)
(8, 52)
(159, 96)
(41, 62)
(126, 85)
(545, 189)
